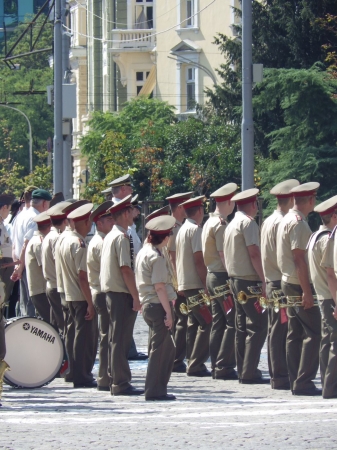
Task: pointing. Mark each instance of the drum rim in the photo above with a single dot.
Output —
(18, 386)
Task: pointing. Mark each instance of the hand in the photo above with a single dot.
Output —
(168, 321)
(181, 293)
(264, 290)
(90, 312)
(335, 312)
(136, 304)
(307, 300)
(17, 273)
(206, 292)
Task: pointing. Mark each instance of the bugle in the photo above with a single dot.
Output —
(288, 301)
(203, 299)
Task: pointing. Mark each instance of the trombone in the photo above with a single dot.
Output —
(201, 298)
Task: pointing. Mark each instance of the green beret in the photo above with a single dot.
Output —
(41, 194)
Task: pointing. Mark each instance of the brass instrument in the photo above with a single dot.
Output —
(291, 300)
(255, 292)
(3, 368)
(201, 298)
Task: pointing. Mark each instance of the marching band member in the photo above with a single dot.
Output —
(156, 294)
(325, 284)
(222, 336)
(33, 263)
(304, 323)
(180, 320)
(277, 321)
(191, 274)
(73, 265)
(243, 262)
(59, 222)
(118, 282)
(104, 223)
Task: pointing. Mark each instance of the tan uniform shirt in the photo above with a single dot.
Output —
(240, 233)
(188, 242)
(213, 233)
(33, 260)
(5, 241)
(328, 255)
(48, 260)
(316, 249)
(57, 257)
(152, 268)
(268, 246)
(115, 254)
(73, 258)
(171, 245)
(293, 233)
(94, 261)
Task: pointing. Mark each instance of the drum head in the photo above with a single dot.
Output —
(34, 352)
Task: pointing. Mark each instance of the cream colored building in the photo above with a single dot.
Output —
(125, 48)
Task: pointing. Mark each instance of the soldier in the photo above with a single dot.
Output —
(223, 311)
(324, 280)
(69, 326)
(180, 320)
(104, 223)
(73, 264)
(304, 323)
(137, 243)
(6, 260)
(118, 282)
(59, 223)
(157, 293)
(244, 266)
(121, 188)
(277, 321)
(191, 274)
(35, 278)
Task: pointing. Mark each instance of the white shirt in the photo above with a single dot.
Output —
(24, 228)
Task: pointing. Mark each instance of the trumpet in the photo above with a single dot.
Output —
(202, 299)
(255, 292)
(291, 300)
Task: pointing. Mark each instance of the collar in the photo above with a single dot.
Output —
(120, 229)
(34, 209)
(191, 221)
(324, 228)
(279, 212)
(217, 214)
(116, 200)
(242, 213)
(38, 233)
(178, 223)
(298, 213)
(78, 235)
(99, 233)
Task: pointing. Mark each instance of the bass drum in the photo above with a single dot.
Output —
(34, 352)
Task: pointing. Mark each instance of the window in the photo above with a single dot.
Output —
(190, 88)
(140, 80)
(11, 12)
(189, 13)
(144, 14)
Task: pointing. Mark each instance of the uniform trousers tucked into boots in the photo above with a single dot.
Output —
(121, 322)
(222, 338)
(161, 351)
(250, 333)
(99, 301)
(42, 306)
(303, 342)
(85, 342)
(54, 299)
(180, 327)
(277, 337)
(68, 336)
(198, 331)
(328, 351)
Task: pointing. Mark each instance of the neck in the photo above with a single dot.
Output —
(80, 229)
(284, 209)
(221, 210)
(302, 208)
(122, 223)
(178, 216)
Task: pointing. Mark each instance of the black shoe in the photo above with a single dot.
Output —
(180, 369)
(202, 373)
(309, 392)
(284, 387)
(139, 357)
(69, 380)
(255, 381)
(167, 397)
(103, 388)
(90, 384)
(230, 376)
(130, 391)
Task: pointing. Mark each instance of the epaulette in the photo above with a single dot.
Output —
(249, 217)
(299, 218)
(332, 234)
(82, 243)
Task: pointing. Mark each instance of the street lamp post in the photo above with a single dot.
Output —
(30, 136)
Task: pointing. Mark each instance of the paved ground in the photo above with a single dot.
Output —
(208, 414)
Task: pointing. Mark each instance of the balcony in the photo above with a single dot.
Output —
(133, 40)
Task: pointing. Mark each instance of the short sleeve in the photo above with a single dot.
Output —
(159, 271)
(299, 236)
(38, 253)
(327, 257)
(80, 257)
(31, 227)
(196, 240)
(219, 237)
(123, 251)
(171, 245)
(251, 234)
